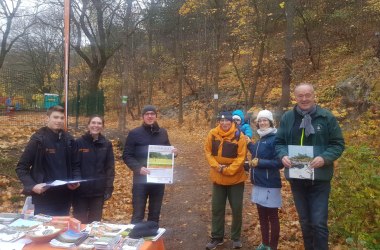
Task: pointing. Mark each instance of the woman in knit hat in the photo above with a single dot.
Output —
(265, 175)
(225, 151)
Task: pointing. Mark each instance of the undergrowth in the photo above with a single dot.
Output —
(355, 204)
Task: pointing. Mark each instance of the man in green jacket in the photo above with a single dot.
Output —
(310, 125)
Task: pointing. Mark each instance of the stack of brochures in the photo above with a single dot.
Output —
(8, 234)
(23, 225)
(131, 244)
(69, 239)
(7, 218)
(107, 242)
(87, 244)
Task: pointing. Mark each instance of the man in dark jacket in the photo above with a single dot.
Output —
(48, 157)
(135, 156)
(310, 125)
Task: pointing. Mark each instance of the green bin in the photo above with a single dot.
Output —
(50, 100)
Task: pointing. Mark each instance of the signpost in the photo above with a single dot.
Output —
(66, 57)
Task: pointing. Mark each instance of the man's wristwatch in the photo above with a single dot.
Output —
(255, 162)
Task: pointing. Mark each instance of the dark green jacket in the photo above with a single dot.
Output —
(327, 141)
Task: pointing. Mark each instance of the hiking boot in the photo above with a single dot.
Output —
(213, 244)
(236, 244)
(263, 247)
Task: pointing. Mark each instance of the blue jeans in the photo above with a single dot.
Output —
(140, 194)
(311, 199)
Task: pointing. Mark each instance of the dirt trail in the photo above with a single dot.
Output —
(186, 210)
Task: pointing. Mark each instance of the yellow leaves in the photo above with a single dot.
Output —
(245, 51)
(119, 206)
(274, 95)
(282, 5)
(372, 6)
(13, 138)
(341, 113)
(4, 182)
(190, 6)
(9, 195)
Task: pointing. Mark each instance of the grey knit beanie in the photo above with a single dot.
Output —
(149, 108)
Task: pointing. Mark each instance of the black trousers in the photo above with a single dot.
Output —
(143, 192)
(55, 202)
(88, 209)
(53, 208)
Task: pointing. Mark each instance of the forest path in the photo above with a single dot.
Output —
(186, 210)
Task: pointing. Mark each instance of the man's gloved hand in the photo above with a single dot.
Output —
(108, 193)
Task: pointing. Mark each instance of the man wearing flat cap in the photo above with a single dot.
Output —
(135, 156)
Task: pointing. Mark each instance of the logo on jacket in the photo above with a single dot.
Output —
(84, 150)
(319, 128)
(50, 150)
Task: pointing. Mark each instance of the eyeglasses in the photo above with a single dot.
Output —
(150, 114)
(305, 96)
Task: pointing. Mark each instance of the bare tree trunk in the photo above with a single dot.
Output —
(180, 98)
(216, 70)
(216, 53)
(126, 71)
(261, 24)
(150, 53)
(256, 74)
(288, 60)
(94, 78)
(377, 46)
(9, 11)
(310, 46)
(206, 60)
(241, 81)
(179, 68)
(267, 86)
(96, 30)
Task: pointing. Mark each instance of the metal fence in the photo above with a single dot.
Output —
(23, 104)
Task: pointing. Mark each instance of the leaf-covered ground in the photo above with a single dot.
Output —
(186, 207)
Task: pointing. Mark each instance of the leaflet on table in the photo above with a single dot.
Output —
(160, 232)
(7, 218)
(160, 164)
(24, 225)
(69, 238)
(98, 229)
(300, 157)
(131, 244)
(8, 234)
(12, 245)
(60, 182)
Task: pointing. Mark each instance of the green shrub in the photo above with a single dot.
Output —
(355, 203)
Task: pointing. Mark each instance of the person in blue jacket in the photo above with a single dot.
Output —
(238, 117)
(265, 175)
